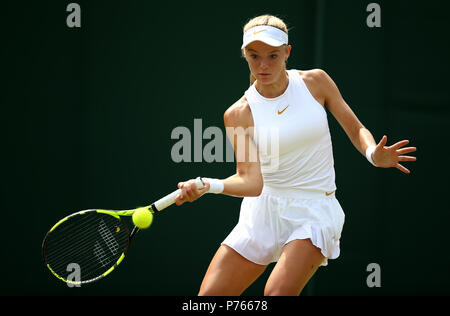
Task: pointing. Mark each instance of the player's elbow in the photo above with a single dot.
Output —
(258, 190)
(256, 185)
(254, 191)
(251, 182)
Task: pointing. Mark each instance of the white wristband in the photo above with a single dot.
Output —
(215, 185)
(369, 152)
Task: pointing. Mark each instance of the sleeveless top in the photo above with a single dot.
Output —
(293, 139)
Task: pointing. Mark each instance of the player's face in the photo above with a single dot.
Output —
(266, 62)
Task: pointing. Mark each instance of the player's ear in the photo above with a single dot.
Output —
(288, 51)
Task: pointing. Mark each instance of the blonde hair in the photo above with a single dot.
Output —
(265, 19)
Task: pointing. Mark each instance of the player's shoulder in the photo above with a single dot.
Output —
(318, 82)
(238, 114)
(314, 75)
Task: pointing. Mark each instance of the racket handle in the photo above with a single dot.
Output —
(169, 199)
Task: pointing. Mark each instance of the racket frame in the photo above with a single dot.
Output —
(154, 208)
(115, 214)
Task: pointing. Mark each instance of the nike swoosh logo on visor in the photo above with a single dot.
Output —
(256, 32)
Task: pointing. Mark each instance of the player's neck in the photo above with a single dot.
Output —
(274, 89)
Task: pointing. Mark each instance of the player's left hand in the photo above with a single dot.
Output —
(390, 156)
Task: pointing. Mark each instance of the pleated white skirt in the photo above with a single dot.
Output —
(278, 216)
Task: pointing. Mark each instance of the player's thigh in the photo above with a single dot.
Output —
(298, 262)
(229, 274)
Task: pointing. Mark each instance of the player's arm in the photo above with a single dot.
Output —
(358, 134)
(247, 181)
(380, 154)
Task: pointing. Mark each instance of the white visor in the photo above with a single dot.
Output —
(267, 34)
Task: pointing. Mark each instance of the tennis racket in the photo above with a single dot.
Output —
(95, 240)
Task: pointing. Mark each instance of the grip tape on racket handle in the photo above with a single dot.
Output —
(169, 199)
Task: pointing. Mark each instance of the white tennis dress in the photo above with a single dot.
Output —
(298, 198)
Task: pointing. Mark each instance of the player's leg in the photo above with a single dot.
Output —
(229, 274)
(298, 262)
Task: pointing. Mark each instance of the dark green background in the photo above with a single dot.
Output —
(87, 115)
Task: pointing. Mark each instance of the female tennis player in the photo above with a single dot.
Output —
(289, 213)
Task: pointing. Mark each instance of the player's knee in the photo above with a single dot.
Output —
(217, 292)
(272, 291)
(280, 290)
(207, 292)
(203, 293)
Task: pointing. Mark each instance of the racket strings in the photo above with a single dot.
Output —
(61, 256)
(73, 251)
(89, 253)
(73, 237)
(93, 241)
(65, 238)
(61, 236)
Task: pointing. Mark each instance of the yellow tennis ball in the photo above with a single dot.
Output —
(142, 218)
